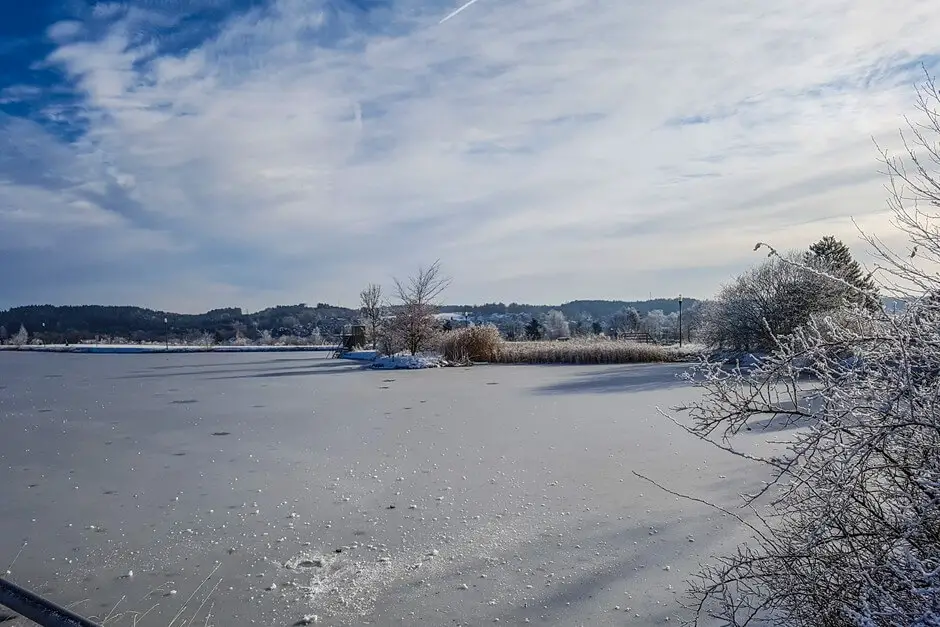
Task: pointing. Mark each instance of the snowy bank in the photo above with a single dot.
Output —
(160, 348)
(360, 355)
(372, 360)
(407, 362)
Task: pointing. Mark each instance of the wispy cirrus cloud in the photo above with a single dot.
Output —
(292, 150)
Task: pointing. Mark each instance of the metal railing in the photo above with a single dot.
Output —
(37, 609)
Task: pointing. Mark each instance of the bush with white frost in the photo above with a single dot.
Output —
(847, 533)
(21, 337)
(555, 325)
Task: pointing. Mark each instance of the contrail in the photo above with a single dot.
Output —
(458, 11)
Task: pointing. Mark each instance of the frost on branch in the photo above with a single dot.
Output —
(848, 531)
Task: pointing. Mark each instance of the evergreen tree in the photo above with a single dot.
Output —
(534, 330)
(834, 257)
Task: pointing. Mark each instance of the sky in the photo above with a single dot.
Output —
(193, 154)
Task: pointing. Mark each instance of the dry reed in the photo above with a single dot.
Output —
(590, 351)
(480, 343)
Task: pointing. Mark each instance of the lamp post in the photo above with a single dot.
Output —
(680, 320)
(166, 332)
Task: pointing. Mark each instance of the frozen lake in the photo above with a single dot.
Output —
(311, 487)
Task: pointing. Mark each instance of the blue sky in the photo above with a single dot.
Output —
(190, 154)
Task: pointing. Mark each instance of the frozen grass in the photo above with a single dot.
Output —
(592, 351)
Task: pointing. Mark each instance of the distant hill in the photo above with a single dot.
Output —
(73, 323)
(595, 309)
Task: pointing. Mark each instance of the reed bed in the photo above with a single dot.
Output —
(591, 351)
(479, 343)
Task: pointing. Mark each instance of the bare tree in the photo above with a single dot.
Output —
(848, 529)
(655, 323)
(627, 320)
(414, 325)
(207, 339)
(555, 325)
(370, 305)
(773, 298)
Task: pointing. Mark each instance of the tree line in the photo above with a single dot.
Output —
(303, 323)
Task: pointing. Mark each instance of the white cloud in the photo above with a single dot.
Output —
(65, 30)
(18, 93)
(537, 147)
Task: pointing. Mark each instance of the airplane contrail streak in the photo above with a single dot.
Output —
(459, 11)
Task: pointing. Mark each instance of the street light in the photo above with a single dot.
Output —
(166, 332)
(680, 320)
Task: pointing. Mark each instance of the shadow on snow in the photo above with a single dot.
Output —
(629, 378)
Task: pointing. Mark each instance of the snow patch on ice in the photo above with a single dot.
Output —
(360, 355)
(407, 362)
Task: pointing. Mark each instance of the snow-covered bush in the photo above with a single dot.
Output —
(21, 337)
(627, 320)
(477, 343)
(555, 325)
(847, 532)
(779, 295)
(266, 338)
(770, 299)
(405, 362)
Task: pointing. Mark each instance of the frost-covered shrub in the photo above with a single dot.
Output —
(478, 343)
(847, 531)
(21, 337)
(555, 325)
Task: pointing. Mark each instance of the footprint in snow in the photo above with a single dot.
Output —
(221, 433)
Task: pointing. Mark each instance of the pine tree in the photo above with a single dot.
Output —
(534, 330)
(832, 256)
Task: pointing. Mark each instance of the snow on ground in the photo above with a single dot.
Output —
(395, 362)
(159, 348)
(361, 355)
(406, 362)
(309, 486)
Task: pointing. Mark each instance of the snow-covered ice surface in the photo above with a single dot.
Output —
(319, 492)
(161, 348)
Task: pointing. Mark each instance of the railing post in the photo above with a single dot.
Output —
(38, 609)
